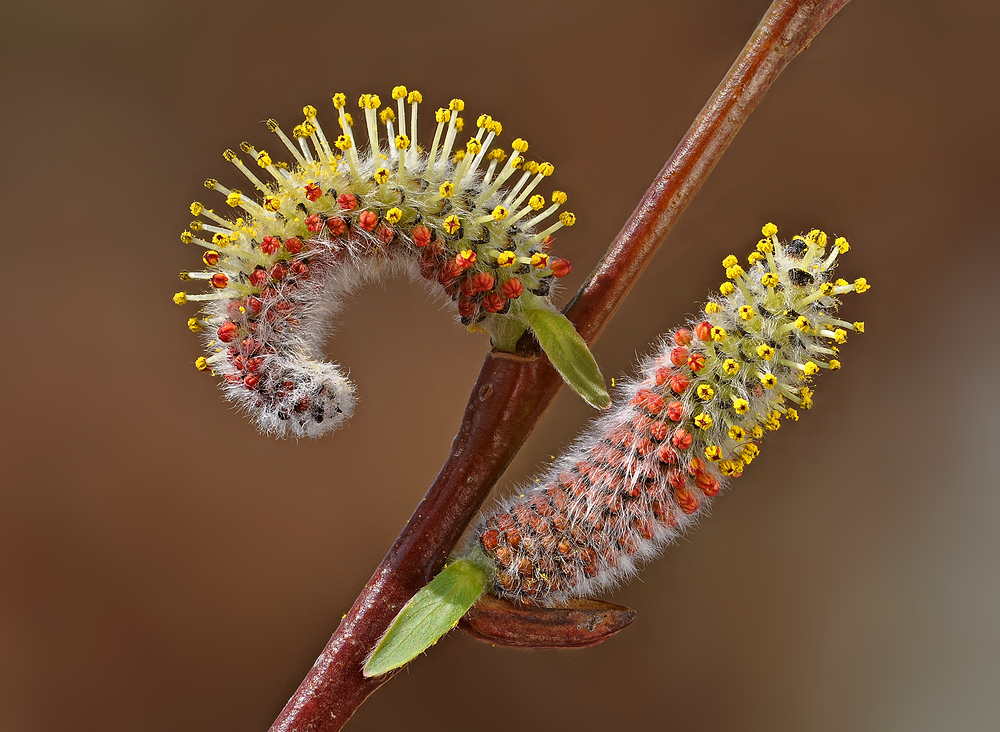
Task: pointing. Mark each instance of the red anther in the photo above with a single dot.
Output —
(347, 201)
(300, 269)
(386, 234)
(249, 345)
(314, 223)
(466, 287)
(233, 308)
(232, 378)
(211, 258)
(640, 398)
(494, 303)
(676, 479)
(466, 307)
(269, 245)
(449, 271)
(682, 337)
(512, 288)
(302, 405)
(228, 332)
(644, 446)
(259, 277)
(679, 356)
(421, 236)
(279, 271)
(251, 381)
(704, 331)
(466, 261)
(490, 539)
(253, 304)
(655, 403)
(663, 375)
(560, 267)
(336, 225)
(483, 282)
(368, 220)
(294, 245)
(682, 439)
(687, 500)
(708, 483)
(697, 466)
(254, 364)
(219, 280)
(268, 293)
(659, 431)
(284, 307)
(679, 383)
(313, 192)
(675, 411)
(239, 362)
(667, 455)
(697, 362)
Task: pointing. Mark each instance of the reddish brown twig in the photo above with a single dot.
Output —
(513, 391)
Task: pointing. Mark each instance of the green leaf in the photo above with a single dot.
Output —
(428, 615)
(568, 352)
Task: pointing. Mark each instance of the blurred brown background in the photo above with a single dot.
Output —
(164, 567)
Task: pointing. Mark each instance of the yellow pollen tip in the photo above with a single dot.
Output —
(859, 326)
(713, 308)
(546, 169)
(446, 189)
(746, 312)
(834, 364)
(381, 176)
(730, 261)
(339, 100)
(414, 97)
(201, 363)
(187, 237)
(387, 115)
(506, 259)
(196, 208)
(393, 215)
(705, 392)
(402, 142)
(861, 285)
(567, 218)
(730, 367)
(770, 279)
(741, 406)
(500, 213)
(703, 420)
(718, 334)
(769, 229)
(398, 92)
(520, 145)
(456, 105)
(842, 246)
(180, 298)
(727, 288)
(536, 202)
(193, 325)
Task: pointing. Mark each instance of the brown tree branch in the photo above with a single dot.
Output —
(513, 390)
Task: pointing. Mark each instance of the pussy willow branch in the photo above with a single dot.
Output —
(513, 390)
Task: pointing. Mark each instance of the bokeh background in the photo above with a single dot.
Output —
(165, 567)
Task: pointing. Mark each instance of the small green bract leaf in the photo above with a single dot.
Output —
(428, 615)
(568, 352)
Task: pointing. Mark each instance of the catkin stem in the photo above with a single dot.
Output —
(513, 390)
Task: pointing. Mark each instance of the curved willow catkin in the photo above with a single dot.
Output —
(691, 420)
(281, 266)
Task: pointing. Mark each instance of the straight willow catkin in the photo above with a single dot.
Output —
(470, 222)
(691, 420)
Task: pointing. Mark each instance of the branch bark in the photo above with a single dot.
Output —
(513, 390)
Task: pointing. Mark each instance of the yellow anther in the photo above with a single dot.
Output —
(834, 364)
(459, 123)
(741, 405)
(309, 111)
(229, 155)
(712, 308)
(792, 414)
(363, 100)
(496, 154)
(347, 120)
(750, 452)
(180, 298)
(458, 157)
(826, 288)
(731, 467)
(520, 145)
(387, 115)
(187, 237)
(497, 128)
(516, 162)
(703, 420)
(196, 225)
(473, 146)
(713, 453)
(546, 169)
(446, 189)
(309, 128)
(506, 259)
(730, 367)
(704, 392)
(736, 433)
(810, 368)
(859, 326)
(442, 115)
(402, 142)
(339, 100)
(531, 166)
(567, 218)
(201, 363)
(861, 285)
(414, 97)
(770, 279)
(842, 246)
(746, 312)
(727, 288)
(755, 257)
(817, 237)
(381, 176)
(234, 199)
(221, 240)
(210, 257)
(456, 105)
(768, 380)
(194, 325)
(734, 272)
(718, 334)
(299, 131)
(184, 276)
(272, 125)
(398, 92)
(756, 432)
(730, 261)
(540, 260)
(500, 213)
(263, 159)
(802, 323)
(840, 335)
(211, 183)
(769, 229)
(272, 204)
(452, 224)
(394, 214)
(197, 208)
(343, 142)
(841, 283)
(765, 351)
(536, 202)
(484, 120)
